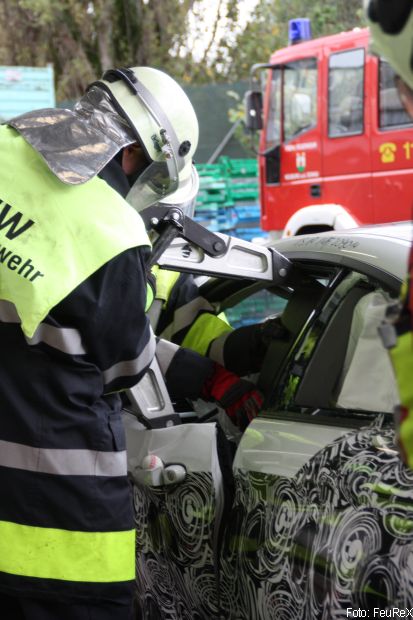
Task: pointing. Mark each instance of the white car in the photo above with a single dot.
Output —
(310, 513)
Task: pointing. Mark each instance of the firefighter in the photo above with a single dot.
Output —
(73, 291)
(391, 31)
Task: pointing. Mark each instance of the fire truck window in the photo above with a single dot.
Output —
(273, 129)
(300, 97)
(273, 126)
(391, 111)
(346, 93)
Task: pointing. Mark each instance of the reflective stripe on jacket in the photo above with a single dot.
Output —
(187, 318)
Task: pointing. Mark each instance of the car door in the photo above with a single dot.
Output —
(177, 508)
(182, 479)
(245, 541)
(321, 520)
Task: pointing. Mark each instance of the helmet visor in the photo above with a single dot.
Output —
(157, 180)
(185, 196)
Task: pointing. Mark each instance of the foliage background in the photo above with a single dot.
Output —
(82, 38)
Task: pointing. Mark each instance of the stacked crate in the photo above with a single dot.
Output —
(228, 202)
(228, 197)
(255, 309)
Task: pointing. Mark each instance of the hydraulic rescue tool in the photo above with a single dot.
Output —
(181, 244)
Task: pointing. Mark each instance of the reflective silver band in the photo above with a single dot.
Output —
(62, 462)
(165, 352)
(132, 367)
(65, 339)
(185, 316)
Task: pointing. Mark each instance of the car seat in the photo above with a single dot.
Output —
(318, 387)
(368, 380)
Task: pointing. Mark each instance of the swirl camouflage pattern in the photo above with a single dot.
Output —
(338, 534)
(175, 528)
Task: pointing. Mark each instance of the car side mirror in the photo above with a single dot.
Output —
(253, 110)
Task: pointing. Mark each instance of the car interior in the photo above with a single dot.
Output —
(333, 353)
(319, 385)
(341, 363)
(367, 380)
(332, 360)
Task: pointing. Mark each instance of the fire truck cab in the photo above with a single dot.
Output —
(336, 146)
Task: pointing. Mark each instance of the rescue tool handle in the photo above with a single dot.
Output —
(170, 222)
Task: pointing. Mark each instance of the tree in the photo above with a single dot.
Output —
(268, 30)
(81, 39)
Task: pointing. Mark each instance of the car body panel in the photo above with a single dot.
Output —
(383, 246)
(314, 515)
(337, 535)
(282, 447)
(176, 524)
(166, 443)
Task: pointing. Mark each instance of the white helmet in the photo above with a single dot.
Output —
(164, 123)
(391, 28)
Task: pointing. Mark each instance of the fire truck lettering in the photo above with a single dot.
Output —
(408, 146)
(302, 146)
(388, 152)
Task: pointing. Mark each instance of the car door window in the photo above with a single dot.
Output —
(299, 97)
(337, 365)
(391, 110)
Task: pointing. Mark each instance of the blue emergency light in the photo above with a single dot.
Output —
(299, 30)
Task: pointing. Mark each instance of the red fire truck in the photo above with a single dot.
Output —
(336, 146)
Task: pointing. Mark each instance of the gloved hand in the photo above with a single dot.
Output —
(240, 398)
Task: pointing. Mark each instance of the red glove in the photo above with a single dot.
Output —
(240, 398)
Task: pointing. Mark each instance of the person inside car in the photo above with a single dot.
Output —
(179, 313)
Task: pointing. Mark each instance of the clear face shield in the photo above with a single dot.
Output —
(158, 180)
(185, 197)
(161, 177)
